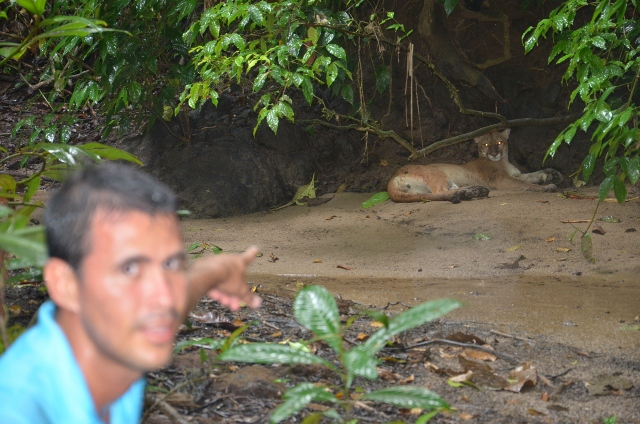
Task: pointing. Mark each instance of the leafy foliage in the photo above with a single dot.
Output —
(602, 56)
(316, 310)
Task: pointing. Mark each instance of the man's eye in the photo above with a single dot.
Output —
(131, 268)
(173, 264)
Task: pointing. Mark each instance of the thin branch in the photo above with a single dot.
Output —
(513, 123)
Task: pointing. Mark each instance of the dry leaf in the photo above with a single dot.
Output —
(407, 380)
(15, 310)
(317, 261)
(598, 230)
(276, 334)
(512, 248)
(562, 249)
(479, 355)
(416, 411)
(544, 397)
(464, 416)
(460, 378)
(534, 412)
(362, 336)
(344, 267)
(550, 239)
(523, 375)
(542, 201)
(233, 367)
(384, 162)
(273, 258)
(331, 217)
(238, 323)
(376, 324)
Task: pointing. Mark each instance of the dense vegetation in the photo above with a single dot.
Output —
(137, 61)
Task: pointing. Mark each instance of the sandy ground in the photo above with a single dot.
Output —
(415, 252)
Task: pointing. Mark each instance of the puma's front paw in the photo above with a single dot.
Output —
(550, 188)
(473, 192)
(552, 176)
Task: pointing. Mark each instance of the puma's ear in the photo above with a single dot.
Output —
(506, 132)
(62, 284)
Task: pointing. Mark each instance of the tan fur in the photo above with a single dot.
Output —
(492, 170)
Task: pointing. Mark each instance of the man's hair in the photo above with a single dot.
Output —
(108, 187)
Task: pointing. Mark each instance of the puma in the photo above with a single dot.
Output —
(492, 170)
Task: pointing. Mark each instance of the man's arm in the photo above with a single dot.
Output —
(223, 278)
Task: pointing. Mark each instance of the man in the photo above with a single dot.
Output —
(119, 289)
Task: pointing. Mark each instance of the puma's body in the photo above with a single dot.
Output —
(492, 170)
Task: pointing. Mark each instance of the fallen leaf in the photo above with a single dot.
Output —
(511, 265)
(523, 375)
(461, 337)
(575, 221)
(407, 380)
(362, 336)
(376, 324)
(586, 247)
(462, 377)
(416, 411)
(344, 267)
(512, 248)
(276, 334)
(544, 397)
(534, 412)
(273, 258)
(550, 239)
(464, 416)
(562, 249)
(233, 367)
(610, 219)
(483, 374)
(482, 236)
(542, 201)
(630, 230)
(317, 261)
(598, 230)
(383, 162)
(15, 310)
(479, 355)
(211, 317)
(407, 213)
(331, 217)
(238, 323)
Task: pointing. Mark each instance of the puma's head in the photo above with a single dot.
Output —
(493, 146)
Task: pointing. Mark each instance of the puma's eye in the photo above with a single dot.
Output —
(131, 268)
(499, 143)
(486, 144)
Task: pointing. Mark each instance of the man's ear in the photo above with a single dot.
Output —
(62, 284)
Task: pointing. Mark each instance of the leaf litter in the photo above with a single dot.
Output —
(554, 382)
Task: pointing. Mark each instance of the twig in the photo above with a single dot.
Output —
(504, 356)
(171, 413)
(512, 123)
(524, 339)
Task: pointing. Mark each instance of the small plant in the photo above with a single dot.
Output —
(316, 310)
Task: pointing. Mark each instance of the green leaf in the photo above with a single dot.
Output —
(347, 93)
(213, 344)
(377, 198)
(633, 170)
(108, 152)
(619, 190)
(7, 183)
(27, 243)
(383, 78)
(35, 7)
(32, 186)
(332, 74)
(317, 310)
(586, 247)
(263, 353)
(588, 165)
(414, 317)
(449, 6)
(33, 273)
(606, 186)
(337, 51)
(298, 397)
(408, 397)
(361, 362)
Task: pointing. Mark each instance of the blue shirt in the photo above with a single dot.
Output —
(41, 382)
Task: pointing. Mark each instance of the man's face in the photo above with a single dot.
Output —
(132, 287)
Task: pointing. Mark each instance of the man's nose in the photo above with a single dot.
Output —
(160, 288)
